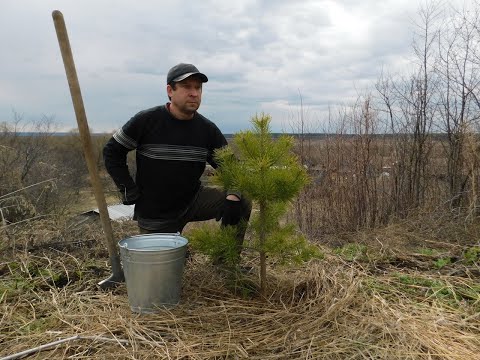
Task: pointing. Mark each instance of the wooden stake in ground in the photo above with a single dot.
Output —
(67, 56)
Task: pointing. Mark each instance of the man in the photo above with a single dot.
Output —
(173, 142)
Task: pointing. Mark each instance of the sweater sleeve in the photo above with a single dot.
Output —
(218, 142)
(115, 158)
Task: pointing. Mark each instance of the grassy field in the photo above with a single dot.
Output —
(398, 280)
(410, 290)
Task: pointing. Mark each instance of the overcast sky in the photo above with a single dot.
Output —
(259, 56)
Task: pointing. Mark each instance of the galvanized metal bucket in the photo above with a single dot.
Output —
(153, 266)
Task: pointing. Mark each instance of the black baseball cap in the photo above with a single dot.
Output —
(182, 71)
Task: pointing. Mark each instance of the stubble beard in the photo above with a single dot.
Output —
(190, 108)
(184, 110)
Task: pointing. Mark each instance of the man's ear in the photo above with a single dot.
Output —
(169, 90)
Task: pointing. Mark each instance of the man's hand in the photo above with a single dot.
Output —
(232, 211)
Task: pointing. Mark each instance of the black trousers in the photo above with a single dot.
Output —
(207, 205)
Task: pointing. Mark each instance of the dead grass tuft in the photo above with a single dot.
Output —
(336, 308)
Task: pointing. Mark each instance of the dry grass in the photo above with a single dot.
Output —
(336, 308)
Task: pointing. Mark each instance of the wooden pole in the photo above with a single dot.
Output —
(81, 116)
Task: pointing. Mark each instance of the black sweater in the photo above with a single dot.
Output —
(170, 156)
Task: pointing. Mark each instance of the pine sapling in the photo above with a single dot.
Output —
(265, 170)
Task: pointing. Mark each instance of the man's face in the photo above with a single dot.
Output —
(187, 96)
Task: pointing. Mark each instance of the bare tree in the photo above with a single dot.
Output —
(24, 156)
(459, 70)
(302, 127)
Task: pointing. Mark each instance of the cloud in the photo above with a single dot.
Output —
(258, 55)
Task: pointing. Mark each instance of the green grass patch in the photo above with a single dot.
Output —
(352, 252)
(425, 289)
(450, 294)
(442, 262)
(472, 255)
(427, 251)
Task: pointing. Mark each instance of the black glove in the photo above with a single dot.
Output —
(130, 196)
(232, 212)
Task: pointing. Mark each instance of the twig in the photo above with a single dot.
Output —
(39, 348)
(25, 220)
(61, 341)
(13, 192)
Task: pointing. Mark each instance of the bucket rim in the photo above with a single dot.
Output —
(171, 236)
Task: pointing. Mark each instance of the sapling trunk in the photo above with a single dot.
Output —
(263, 256)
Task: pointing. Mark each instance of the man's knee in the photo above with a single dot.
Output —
(145, 231)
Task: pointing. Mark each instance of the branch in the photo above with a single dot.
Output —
(27, 187)
(61, 341)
